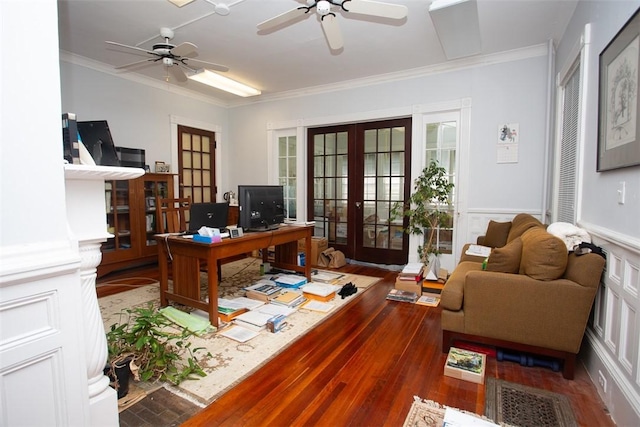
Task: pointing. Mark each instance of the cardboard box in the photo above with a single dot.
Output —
(409, 285)
(465, 365)
(318, 245)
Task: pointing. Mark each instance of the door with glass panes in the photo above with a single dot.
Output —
(357, 174)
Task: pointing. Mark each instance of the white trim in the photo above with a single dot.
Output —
(217, 129)
(25, 263)
(625, 241)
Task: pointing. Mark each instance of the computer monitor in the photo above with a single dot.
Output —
(213, 215)
(96, 137)
(261, 206)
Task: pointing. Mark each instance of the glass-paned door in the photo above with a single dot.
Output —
(196, 158)
(441, 143)
(358, 173)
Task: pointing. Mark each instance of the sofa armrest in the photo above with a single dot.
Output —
(517, 308)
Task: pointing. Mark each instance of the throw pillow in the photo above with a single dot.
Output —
(497, 233)
(544, 256)
(520, 224)
(507, 258)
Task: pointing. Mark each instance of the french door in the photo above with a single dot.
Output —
(356, 174)
(196, 158)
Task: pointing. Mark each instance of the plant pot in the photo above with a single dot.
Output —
(119, 374)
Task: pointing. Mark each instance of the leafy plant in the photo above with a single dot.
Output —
(427, 208)
(156, 351)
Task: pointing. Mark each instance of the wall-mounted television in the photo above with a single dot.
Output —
(261, 207)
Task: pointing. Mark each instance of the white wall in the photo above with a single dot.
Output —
(503, 92)
(611, 348)
(139, 115)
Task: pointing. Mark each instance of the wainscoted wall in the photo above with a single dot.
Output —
(611, 349)
(479, 219)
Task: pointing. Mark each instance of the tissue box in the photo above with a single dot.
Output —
(206, 239)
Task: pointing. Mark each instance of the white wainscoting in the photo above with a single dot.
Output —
(611, 348)
(479, 219)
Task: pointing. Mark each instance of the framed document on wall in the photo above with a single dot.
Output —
(618, 116)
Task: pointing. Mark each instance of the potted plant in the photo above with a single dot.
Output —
(148, 344)
(427, 209)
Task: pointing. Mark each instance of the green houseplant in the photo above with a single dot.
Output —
(151, 345)
(427, 209)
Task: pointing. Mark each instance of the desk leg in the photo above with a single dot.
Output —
(212, 278)
(163, 262)
(307, 256)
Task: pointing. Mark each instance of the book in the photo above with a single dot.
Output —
(456, 418)
(253, 320)
(70, 144)
(404, 296)
(289, 299)
(238, 333)
(265, 287)
(465, 365)
(412, 269)
(290, 281)
(321, 306)
(478, 250)
(428, 300)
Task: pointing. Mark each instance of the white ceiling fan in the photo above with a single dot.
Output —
(176, 59)
(328, 17)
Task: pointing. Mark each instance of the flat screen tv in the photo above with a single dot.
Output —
(261, 207)
(213, 215)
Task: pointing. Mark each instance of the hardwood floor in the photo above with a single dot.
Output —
(363, 366)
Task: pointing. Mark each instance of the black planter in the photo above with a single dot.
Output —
(119, 374)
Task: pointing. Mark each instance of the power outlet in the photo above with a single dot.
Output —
(602, 381)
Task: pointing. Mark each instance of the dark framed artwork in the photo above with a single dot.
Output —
(619, 118)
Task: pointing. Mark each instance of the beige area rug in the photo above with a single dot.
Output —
(231, 361)
(523, 406)
(427, 413)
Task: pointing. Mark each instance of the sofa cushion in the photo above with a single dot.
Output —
(507, 258)
(520, 224)
(544, 256)
(497, 233)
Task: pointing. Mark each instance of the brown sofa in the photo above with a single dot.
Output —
(533, 297)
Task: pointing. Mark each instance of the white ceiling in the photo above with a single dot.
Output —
(296, 56)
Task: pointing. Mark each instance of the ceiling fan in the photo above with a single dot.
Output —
(328, 17)
(176, 59)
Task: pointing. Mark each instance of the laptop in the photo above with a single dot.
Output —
(213, 215)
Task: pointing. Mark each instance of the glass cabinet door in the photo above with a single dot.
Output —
(117, 198)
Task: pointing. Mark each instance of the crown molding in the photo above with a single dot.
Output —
(445, 67)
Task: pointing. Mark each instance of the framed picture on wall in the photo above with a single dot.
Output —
(618, 115)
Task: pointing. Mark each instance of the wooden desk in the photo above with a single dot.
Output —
(187, 256)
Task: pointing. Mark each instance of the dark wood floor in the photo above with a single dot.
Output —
(363, 366)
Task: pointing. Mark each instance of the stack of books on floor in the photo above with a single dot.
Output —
(465, 365)
(291, 281)
(249, 324)
(410, 278)
(319, 291)
(400, 295)
(428, 300)
(263, 290)
(289, 299)
(228, 309)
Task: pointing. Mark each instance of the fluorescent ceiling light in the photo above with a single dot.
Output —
(457, 25)
(224, 83)
(180, 3)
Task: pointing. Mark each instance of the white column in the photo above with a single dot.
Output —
(86, 217)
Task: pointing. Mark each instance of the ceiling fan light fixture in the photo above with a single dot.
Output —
(181, 3)
(212, 79)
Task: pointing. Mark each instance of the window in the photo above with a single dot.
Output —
(287, 173)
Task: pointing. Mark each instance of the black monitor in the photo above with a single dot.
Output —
(96, 137)
(261, 206)
(213, 215)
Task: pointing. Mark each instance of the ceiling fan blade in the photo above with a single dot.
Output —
(332, 31)
(204, 64)
(178, 73)
(138, 49)
(133, 64)
(375, 8)
(282, 18)
(180, 3)
(185, 49)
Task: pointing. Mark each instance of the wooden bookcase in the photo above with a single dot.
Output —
(131, 218)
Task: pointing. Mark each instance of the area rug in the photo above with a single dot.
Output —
(427, 413)
(524, 406)
(231, 361)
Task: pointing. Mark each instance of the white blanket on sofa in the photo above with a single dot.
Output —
(569, 233)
